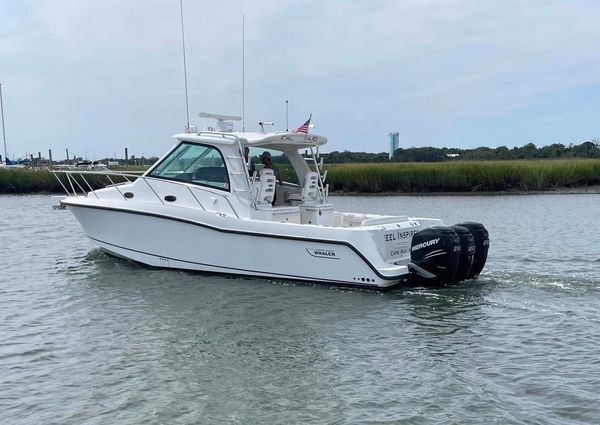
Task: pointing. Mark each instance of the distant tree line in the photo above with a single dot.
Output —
(589, 149)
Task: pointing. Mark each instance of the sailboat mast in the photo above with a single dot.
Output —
(3, 132)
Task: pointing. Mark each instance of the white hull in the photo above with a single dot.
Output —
(198, 209)
(181, 243)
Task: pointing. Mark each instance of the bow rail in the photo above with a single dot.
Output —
(74, 186)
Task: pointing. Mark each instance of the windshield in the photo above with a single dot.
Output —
(194, 163)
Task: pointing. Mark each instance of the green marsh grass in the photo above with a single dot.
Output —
(464, 176)
(455, 176)
(21, 180)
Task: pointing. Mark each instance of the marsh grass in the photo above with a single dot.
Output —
(20, 180)
(455, 176)
(464, 176)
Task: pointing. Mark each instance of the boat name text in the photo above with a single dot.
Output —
(394, 236)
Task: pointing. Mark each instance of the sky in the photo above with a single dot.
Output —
(98, 76)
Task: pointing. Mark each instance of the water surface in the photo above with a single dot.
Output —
(90, 339)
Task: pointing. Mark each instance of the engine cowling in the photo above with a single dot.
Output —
(467, 253)
(436, 251)
(482, 245)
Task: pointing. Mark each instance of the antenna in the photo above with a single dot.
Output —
(3, 133)
(187, 103)
(286, 117)
(243, 73)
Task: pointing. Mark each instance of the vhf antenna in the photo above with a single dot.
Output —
(187, 103)
(243, 74)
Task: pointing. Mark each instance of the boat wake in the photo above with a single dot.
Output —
(570, 283)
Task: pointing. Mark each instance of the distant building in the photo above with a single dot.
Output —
(394, 141)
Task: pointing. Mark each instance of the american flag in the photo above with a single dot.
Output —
(304, 127)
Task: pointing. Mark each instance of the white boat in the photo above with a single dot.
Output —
(91, 165)
(198, 208)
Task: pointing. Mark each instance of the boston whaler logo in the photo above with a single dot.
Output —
(426, 243)
(322, 253)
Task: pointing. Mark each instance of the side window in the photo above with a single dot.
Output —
(193, 163)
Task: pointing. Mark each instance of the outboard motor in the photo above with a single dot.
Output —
(482, 244)
(467, 253)
(435, 254)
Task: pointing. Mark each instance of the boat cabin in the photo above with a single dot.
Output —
(291, 190)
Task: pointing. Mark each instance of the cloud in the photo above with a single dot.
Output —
(427, 68)
(150, 26)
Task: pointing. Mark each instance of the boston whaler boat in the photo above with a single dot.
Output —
(199, 208)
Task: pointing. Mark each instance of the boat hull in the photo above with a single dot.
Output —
(175, 242)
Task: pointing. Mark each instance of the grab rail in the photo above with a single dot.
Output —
(70, 175)
(217, 135)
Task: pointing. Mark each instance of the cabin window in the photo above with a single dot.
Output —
(194, 163)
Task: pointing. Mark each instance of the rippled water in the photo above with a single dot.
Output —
(87, 338)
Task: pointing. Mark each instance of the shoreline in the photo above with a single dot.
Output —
(583, 190)
(400, 179)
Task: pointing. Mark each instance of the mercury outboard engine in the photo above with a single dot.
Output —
(482, 244)
(467, 253)
(435, 255)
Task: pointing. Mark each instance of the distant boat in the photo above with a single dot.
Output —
(17, 163)
(91, 166)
